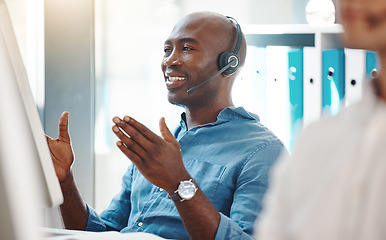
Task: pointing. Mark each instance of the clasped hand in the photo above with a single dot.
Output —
(158, 159)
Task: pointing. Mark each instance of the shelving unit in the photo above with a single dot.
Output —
(293, 35)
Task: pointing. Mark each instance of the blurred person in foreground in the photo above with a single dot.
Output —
(332, 187)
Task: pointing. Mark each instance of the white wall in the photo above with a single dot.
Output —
(245, 11)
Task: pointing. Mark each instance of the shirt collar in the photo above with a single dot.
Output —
(231, 113)
(227, 114)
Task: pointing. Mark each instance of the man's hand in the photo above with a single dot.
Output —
(61, 150)
(160, 162)
(158, 159)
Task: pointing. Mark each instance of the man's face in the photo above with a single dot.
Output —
(364, 22)
(191, 54)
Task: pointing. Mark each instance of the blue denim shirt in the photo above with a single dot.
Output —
(230, 160)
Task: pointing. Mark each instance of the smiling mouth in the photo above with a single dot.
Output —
(175, 79)
(174, 82)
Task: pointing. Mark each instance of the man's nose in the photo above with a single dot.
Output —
(174, 59)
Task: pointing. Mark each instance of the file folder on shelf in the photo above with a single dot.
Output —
(295, 77)
(355, 69)
(277, 86)
(333, 84)
(372, 63)
(361, 66)
(249, 91)
(312, 85)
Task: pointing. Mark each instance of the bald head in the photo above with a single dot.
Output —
(215, 26)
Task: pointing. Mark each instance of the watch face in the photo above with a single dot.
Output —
(186, 190)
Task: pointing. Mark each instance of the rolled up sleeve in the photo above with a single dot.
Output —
(229, 229)
(95, 223)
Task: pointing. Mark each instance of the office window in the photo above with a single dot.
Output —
(128, 50)
(28, 22)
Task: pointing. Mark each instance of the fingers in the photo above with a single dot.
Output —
(142, 129)
(136, 131)
(129, 153)
(166, 134)
(63, 128)
(128, 143)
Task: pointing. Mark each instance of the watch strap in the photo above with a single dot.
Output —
(176, 197)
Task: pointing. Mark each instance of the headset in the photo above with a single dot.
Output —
(228, 57)
(228, 61)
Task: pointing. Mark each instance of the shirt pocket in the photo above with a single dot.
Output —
(207, 176)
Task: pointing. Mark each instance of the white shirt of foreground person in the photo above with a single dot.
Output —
(333, 185)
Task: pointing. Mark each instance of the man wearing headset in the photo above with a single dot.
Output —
(206, 180)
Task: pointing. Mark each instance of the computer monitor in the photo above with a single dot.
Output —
(28, 182)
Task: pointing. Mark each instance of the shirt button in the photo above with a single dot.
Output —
(140, 224)
(161, 189)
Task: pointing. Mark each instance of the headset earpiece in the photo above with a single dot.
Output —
(227, 57)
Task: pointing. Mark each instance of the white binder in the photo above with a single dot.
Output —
(249, 90)
(277, 98)
(355, 67)
(312, 92)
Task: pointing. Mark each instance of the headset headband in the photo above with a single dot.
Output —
(238, 43)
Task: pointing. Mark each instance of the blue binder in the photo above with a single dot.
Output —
(372, 63)
(333, 85)
(295, 64)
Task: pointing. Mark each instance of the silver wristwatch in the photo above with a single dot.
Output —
(185, 191)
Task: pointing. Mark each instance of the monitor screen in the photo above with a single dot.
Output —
(28, 182)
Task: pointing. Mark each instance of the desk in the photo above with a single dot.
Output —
(63, 234)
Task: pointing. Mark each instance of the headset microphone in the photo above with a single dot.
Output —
(193, 89)
(227, 61)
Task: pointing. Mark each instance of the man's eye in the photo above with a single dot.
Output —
(185, 48)
(167, 50)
